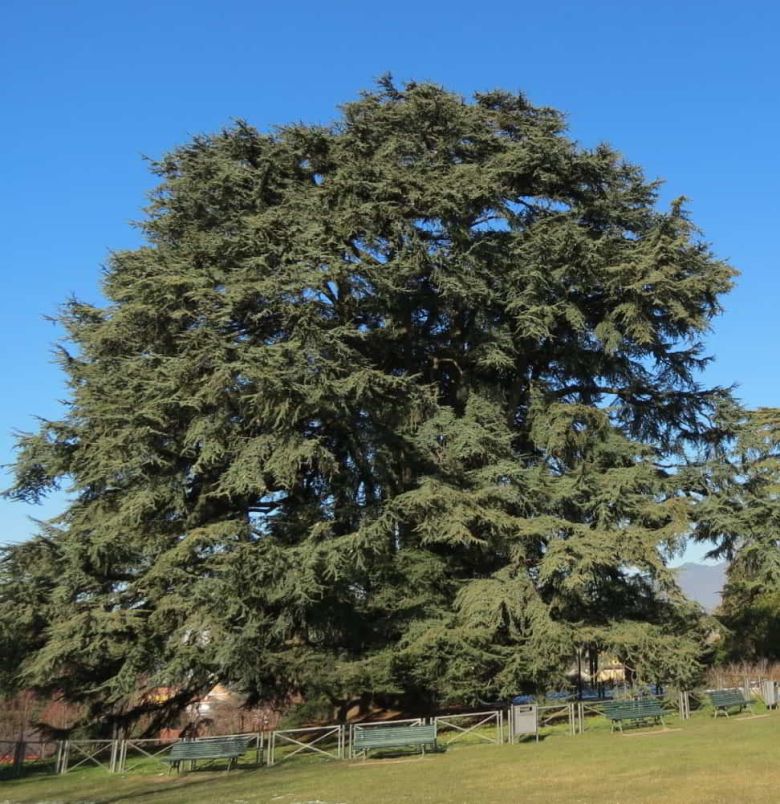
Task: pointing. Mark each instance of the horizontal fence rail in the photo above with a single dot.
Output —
(16, 754)
(549, 713)
(467, 723)
(320, 742)
(102, 753)
(148, 748)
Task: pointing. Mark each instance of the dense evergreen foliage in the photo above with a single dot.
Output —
(739, 514)
(387, 405)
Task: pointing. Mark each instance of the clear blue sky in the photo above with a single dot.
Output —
(687, 89)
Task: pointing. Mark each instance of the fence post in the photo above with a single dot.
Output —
(64, 756)
(20, 749)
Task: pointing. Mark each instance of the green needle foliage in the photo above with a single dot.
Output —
(380, 406)
(739, 513)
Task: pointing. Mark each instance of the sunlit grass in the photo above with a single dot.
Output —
(729, 760)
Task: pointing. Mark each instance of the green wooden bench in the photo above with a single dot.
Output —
(723, 700)
(641, 712)
(366, 739)
(211, 749)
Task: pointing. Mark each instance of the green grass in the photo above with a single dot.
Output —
(702, 760)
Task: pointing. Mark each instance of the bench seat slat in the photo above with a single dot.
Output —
(723, 700)
(619, 711)
(393, 737)
(230, 748)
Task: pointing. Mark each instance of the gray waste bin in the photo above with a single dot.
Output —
(523, 720)
(769, 693)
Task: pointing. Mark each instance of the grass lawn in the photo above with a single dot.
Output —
(728, 760)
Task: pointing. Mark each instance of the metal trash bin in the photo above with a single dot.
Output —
(769, 693)
(523, 720)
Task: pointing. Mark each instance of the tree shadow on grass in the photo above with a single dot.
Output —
(177, 784)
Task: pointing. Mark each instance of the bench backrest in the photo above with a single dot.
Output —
(378, 736)
(728, 698)
(210, 748)
(625, 710)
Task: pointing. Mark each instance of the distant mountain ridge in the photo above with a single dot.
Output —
(702, 583)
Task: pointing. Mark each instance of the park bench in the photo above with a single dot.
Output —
(365, 739)
(211, 749)
(723, 700)
(642, 711)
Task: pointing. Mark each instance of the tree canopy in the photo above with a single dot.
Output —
(383, 405)
(738, 514)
